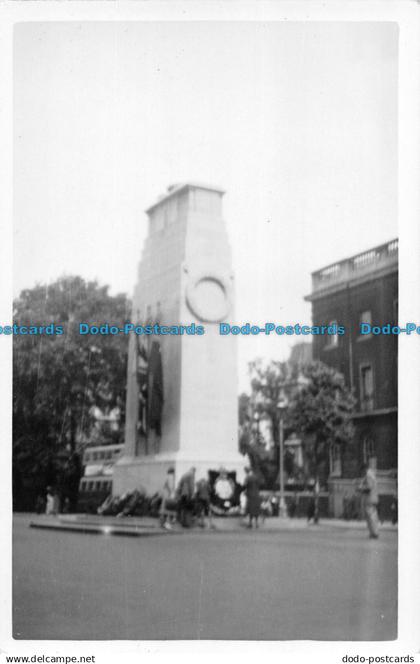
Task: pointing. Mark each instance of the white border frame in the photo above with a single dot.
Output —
(407, 15)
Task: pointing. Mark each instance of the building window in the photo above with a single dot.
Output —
(369, 452)
(332, 339)
(366, 387)
(335, 460)
(365, 317)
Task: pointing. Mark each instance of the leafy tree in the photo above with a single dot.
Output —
(267, 387)
(322, 410)
(58, 379)
(251, 442)
(319, 408)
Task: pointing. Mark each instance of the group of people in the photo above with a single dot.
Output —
(191, 499)
(187, 500)
(368, 489)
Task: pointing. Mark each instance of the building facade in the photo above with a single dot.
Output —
(362, 289)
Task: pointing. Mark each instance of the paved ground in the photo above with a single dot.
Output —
(314, 583)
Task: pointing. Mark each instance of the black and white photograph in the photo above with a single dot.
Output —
(207, 318)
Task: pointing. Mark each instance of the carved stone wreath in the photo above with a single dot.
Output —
(208, 297)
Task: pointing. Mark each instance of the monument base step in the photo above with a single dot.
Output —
(102, 526)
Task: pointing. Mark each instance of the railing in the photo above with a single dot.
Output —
(367, 261)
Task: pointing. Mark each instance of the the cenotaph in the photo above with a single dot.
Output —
(182, 401)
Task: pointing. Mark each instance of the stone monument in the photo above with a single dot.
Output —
(182, 401)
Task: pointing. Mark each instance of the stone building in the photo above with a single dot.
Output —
(362, 289)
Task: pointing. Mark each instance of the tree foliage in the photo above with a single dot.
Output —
(252, 444)
(57, 379)
(319, 409)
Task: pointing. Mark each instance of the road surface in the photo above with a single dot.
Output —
(315, 583)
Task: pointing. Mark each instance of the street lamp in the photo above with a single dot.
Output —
(281, 407)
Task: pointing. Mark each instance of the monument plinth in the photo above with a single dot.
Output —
(181, 407)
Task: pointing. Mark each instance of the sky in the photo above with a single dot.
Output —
(296, 121)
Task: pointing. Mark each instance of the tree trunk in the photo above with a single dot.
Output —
(72, 431)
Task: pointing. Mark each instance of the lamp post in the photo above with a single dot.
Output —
(281, 407)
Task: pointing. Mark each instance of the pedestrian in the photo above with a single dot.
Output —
(253, 502)
(368, 487)
(203, 503)
(242, 503)
(310, 512)
(40, 505)
(185, 495)
(168, 500)
(52, 506)
(313, 507)
(293, 505)
(316, 500)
